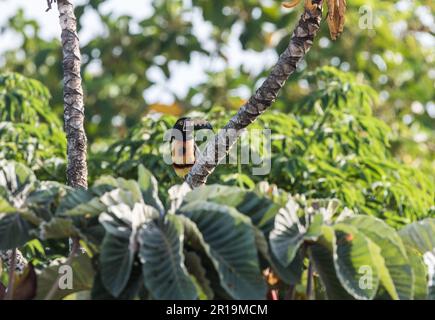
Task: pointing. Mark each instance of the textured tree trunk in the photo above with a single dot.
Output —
(77, 170)
(20, 261)
(300, 44)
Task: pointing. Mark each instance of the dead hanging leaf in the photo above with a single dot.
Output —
(270, 277)
(291, 4)
(2, 291)
(308, 4)
(336, 17)
(25, 284)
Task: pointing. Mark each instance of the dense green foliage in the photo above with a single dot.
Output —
(332, 147)
(29, 131)
(214, 241)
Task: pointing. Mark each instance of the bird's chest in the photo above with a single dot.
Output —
(183, 152)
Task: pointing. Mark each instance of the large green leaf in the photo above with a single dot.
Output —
(161, 254)
(80, 202)
(392, 250)
(131, 189)
(194, 240)
(321, 254)
(149, 187)
(327, 208)
(14, 231)
(289, 234)
(83, 207)
(57, 228)
(229, 239)
(116, 263)
(291, 274)
(216, 193)
(131, 290)
(126, 206)
(260, 209)
(197, 270)
(420, 237)
(355, 262)
(82, 277)
(122, 220)
(45, 200)
(420, 271)
(125, 213)
(117, 220)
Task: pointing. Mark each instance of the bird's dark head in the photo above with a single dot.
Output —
(183, 124)
(183, 129)
(187, 124)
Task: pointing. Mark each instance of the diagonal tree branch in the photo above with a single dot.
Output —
(300, 44)
(77, 170)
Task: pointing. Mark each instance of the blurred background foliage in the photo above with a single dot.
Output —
(30, 132)
(361, 131)
(332, 146)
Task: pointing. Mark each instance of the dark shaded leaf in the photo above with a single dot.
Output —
(161, 254)
(229, 239)
(25, 284)
(116, 260)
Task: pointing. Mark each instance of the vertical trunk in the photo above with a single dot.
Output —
(77, 171)
(20, 261)
(300, 44)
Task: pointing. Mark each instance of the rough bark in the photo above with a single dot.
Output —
(77, 170)
(300, 43)
(20, 261)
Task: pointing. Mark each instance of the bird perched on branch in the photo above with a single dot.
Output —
(335, 17)
(184, 150)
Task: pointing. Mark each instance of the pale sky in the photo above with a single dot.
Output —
(183, 76)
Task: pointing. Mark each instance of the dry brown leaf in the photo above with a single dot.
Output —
(2, 291)
(308, 4)
(342, 14)
(271, 278)
(25, 284)
(291, 4)
(336, 17)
